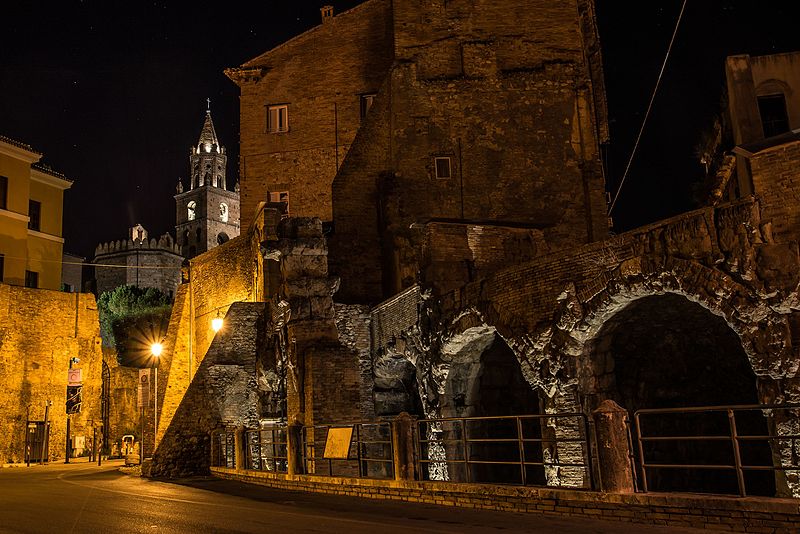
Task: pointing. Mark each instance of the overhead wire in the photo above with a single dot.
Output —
(649, 107)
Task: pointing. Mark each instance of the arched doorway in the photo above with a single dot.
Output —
(665, 351)
(485, 380)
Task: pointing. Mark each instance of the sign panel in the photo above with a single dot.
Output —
(142, 396)
(338, 443)
(74, 377)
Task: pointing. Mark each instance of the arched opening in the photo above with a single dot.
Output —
(191, 210)
(199, 235)
(485, 380)
(665, 351)
(222, 237)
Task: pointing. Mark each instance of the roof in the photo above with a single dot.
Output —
(751, 149)
(19, 144)
(208, 136)
(45, 168)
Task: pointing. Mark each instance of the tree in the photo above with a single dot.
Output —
(131, 318)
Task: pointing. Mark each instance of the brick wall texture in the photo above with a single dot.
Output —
(705, 512)
(511, 92)
(40, 330)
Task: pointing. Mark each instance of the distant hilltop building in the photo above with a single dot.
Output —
(138, 261)
(207, 215)
(31, 212)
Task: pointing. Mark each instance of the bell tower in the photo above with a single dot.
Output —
(207, 214)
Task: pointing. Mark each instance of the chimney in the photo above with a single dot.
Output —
(327, 13)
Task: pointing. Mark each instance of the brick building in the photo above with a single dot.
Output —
(423, 111)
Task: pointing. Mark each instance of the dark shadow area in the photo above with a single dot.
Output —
(665, 351)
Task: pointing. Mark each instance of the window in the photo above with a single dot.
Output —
(279, 196)
(31, 279)
(278, 118)
(3, 193)
(223, 212)
(190, 210)
(2, 266)
(199, 235)
(35, 215)
(186, 237)
(222, 237)
(366, 103)
(774, 119)
(442, 167)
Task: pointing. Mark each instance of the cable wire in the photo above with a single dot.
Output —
(649, 107)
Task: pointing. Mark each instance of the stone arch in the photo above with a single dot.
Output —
(719, 342)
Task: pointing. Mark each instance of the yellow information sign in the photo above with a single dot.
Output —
(338, 443)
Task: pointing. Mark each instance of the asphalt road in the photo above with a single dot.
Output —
(85, 498)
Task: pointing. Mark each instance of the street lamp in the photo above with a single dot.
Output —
(217, 322)
(155, 350)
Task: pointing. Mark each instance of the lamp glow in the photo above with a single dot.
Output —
(156, 349)
(216, 324)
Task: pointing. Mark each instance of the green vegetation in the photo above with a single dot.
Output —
(131, 318)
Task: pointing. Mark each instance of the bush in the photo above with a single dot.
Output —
(131, 318)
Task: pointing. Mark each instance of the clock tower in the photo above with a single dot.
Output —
(207, 213)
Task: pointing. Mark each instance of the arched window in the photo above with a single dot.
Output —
(223, 212)
(190, 210)
(186, 237)
(222, 237)
(199, 235)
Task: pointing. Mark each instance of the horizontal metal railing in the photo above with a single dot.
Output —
(778, 443)
(223, 447)
(370, 453)
(531, 444)
(267, 449)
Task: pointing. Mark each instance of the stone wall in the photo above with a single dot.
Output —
(40, 330)
(695, 511)
(512, 110)
(776, 181)
(141, 263)
(222, 393)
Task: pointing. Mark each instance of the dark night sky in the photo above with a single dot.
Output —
(114, 93)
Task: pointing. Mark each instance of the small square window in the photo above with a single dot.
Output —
(278, 119)
(442, 167)
(366, 103)
(31, 279)
(34, 215)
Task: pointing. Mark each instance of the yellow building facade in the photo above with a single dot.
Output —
(31, 212)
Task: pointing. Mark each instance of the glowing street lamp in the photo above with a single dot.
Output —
(216, 323)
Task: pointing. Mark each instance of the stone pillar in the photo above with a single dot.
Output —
(294, 449)
(403, 445)
(616, 473)
(239, 448)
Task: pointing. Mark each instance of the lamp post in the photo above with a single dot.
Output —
(155, 350)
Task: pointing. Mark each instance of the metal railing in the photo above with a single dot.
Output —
(223, 449)
(545, 450)
(369, 454)
(754, 439)
(267, 449)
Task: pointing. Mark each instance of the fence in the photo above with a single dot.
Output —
(546, 450)
(363, 450)
(223, 449)
(267, 449)
(719, 449)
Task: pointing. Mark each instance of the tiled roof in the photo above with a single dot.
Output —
(45, 168)
(19, 144)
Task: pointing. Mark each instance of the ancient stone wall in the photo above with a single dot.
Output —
(141, 263)
(223, 393)
(511, 117)
(40, 330)
(320, 76)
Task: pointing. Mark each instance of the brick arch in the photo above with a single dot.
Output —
(762, 330)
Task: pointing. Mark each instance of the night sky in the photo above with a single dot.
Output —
(114, 93)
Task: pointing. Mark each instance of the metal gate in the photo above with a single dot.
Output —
(36, 442)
